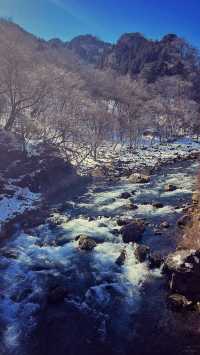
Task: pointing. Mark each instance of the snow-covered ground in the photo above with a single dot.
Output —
(20, 200)
(146, 155)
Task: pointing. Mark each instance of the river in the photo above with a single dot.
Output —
(108, 309)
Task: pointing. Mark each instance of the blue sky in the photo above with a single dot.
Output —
(107, 19)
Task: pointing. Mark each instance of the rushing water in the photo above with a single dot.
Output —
(109, 309)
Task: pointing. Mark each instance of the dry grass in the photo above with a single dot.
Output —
(191, 236)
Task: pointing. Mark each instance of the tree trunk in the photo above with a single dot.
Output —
(11, 120)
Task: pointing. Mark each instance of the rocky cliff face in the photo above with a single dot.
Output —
(135, 55)
(90, 49)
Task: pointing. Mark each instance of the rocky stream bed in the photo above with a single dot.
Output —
(96, 294)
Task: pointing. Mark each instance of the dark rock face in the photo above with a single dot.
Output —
(133, 231)
(134, 54)
(183, 270)
(89, 48)
(86, 243)
(141, 252)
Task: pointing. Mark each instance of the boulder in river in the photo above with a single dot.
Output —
(86, 243)
(125, 195)
(123, 221)
(165, 225)
(121, 258)
(132, 232)
(183, 270)
(141, 252)
(139, 178)
(155, 261)
(170, 188)
(132, 206)
(157, 205)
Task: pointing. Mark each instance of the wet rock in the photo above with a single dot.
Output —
(170, 188)
(141, 252)
(125, 195)
(121, 259)
(139, 178)
(115, 231)
(155, 261)
(195, 198)
(187, 283)
(157, 231)
(132, 206)
(57, 295)
(179, 302)
(176, 261)
(133, 231)
(133, 192)
(158, 205)
(183, 271)
(86, 243)
(123, 221)
(165, 224)
(183, 221)
(9, 253)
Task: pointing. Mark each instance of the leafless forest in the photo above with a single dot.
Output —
(48, 92)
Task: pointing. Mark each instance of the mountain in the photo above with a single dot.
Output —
(90, 48)
(133, 54)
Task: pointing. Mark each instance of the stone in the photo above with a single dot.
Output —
(157, 205)
(183, 221)
(141, 252)
(195, 198)
(123, 221)
(175, 261)
(115, 231)
(121, 259)
(170, 188)
(155, 261)
(125, 195)
(183, 271)
(165, 224)
(179, 302)
(86, 243)
(139, 178)
(132, 206)
(133, 231)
